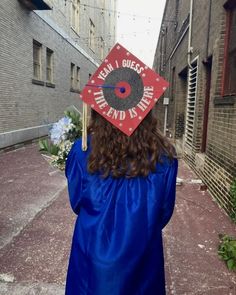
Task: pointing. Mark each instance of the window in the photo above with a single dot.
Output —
(91, 35)
(37, 60)
(103, 7)
(229, 76)
(75, 10)
(191, 102)
(102, 45)
(163, 42)
(173, 84)
(49, 64)
(78, 78)
(72, 76)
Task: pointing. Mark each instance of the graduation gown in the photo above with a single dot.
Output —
(117, 242)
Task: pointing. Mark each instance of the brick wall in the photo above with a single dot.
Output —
(27, 109)
(216, 165)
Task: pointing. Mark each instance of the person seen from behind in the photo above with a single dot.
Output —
(123, 191)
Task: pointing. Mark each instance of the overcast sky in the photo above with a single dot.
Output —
(138, 26)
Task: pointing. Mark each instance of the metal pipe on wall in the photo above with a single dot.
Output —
(208, 28)
(190, 48)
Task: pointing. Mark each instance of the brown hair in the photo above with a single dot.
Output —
(114, 153)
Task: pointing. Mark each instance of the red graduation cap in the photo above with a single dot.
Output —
(123, 89)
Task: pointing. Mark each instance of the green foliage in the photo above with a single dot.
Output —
(76, 120)
(227, 251)
(233, 200)
(61, 138)
(48, 147)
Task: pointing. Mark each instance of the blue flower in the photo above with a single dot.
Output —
(59, 130)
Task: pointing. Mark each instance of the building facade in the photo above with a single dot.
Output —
(196, 53)
(48, 50)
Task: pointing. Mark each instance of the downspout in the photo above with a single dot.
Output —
(208, 30)
(163, 65)
(162, 53)
(190, 51)
(190, 48)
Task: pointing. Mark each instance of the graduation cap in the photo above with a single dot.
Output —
(123, 90)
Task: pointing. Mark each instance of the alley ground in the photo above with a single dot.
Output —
(36, 225)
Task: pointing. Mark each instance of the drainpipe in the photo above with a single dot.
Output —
(190, 48)
(208, 30)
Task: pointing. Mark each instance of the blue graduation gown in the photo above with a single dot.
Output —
(117, 241)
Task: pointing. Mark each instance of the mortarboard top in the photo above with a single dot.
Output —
(123, 89)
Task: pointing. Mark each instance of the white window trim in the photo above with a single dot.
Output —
(40, 60)
(51, 64)
(75, 9)
(91, 35)
(102, 48)
(191, 103)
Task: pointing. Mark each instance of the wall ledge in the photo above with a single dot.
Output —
(224, 100)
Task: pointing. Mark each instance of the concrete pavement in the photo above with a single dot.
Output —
(191, 242)
(28, 184)
(36, 224)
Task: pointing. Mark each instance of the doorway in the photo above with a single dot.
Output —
(208, 69)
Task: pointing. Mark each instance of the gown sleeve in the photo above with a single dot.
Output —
(74, 174)
(170, 191)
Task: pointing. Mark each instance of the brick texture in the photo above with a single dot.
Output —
(24, 105)
(217, 164)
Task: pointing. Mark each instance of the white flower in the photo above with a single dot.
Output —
(59, 130)
(65, 146)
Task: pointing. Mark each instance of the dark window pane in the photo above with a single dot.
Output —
(230, 85)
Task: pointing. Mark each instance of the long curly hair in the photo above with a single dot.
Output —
(116, 154)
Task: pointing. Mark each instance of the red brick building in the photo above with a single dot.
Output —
(196, 52)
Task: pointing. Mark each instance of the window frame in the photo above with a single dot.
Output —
(37, 45)
(191, 104)
(78, 78)
(75, 15)
(91, 35)
(72, 76)
(50, 67)
(102, 48)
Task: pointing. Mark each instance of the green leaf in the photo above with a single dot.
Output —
(231, 264)
(227, 251)
(43, 145)
(232, 194)
(75, 132)
(54, 149)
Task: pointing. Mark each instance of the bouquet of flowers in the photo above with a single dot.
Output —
(61, 138)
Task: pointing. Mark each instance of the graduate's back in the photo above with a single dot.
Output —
(123, 191)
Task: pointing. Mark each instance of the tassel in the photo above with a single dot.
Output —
(84, 127)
